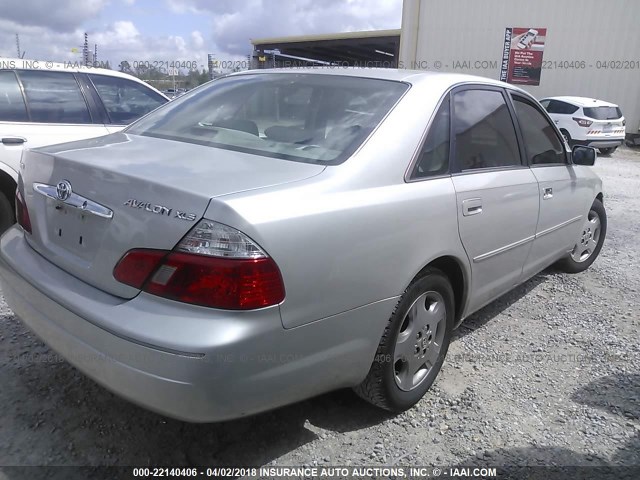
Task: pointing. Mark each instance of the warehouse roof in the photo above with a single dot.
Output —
(352, 48)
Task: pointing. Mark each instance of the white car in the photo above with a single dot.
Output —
(587, 121)
(44, 103)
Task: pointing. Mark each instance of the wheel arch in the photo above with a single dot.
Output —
(8, 185)
(459, 277)
(600, 197)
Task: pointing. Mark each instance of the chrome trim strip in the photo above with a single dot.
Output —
(75, 200)
(500, 250)
(557, 227)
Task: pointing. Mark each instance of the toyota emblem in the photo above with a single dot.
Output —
(63, 190)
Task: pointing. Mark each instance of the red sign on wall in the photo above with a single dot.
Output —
(522, 55)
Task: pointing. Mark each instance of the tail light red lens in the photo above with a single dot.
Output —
(214, 265)
(22, 214)
(136, 266)
(234, 284)
(583, 122)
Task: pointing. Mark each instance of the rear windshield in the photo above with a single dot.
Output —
(603, 113)
(302, 117)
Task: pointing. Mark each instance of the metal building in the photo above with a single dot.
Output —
(365, 49)
(588, 48)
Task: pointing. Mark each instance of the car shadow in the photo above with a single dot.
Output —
(70, 420)
(489, 312)
(617, 394)
(549, 463)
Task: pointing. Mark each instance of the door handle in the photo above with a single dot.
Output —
(547, 193)
(471, 206)
(13, 140)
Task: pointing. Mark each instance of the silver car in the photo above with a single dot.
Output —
(274, 235)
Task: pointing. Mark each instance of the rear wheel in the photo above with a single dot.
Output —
(566, 136)
(607, 151)
(589, 241)
(414, 344)
(7, 217)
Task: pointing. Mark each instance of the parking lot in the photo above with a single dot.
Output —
(550, 373)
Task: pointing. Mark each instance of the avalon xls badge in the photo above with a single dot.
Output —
(159, 209)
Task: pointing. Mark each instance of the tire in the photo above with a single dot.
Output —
(7, 215)
(410, 342)
(607, 151)
(567, 137)
(589, 242)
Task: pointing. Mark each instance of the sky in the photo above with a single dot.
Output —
(184, 30)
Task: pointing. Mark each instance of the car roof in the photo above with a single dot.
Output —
(397, 74)
(70, 66)
(582, 101)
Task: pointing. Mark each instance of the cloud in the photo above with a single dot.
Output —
(63, 16)
(51, 33)
(234, 24)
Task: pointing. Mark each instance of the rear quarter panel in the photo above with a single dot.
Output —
(357, 233)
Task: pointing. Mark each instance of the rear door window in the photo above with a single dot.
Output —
(125, 100)
(12, 107)
(484, 133)
(54, 97)
(434, 155)
(557, 106)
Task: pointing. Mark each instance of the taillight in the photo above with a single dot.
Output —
(235, 284)
(136, 266)
(583, 122)
(213, 266)
(22, 214)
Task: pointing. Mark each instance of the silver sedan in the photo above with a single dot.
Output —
(274, 235)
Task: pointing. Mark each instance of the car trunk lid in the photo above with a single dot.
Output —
(129, 191)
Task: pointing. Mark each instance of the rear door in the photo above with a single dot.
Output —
(57, 107)
(13, 120)
(57, 112)
(562, 194)
(561, 113)
(497, 195)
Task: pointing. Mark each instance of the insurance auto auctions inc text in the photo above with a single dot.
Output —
(375, 472)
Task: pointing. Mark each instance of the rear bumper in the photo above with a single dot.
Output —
(200, 365)
(600, 142)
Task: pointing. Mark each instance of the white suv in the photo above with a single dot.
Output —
(42, 103)
(586, 121)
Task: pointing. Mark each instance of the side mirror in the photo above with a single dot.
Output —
(581, 155)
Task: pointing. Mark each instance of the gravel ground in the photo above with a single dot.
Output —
(548, 374)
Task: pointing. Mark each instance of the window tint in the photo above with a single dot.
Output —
(603, 113)
(540, 139)
(484, 132)
(556, 106)
(434, 156)
(124, 99)
(12, 107)
(293, 116)
(54, 97)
